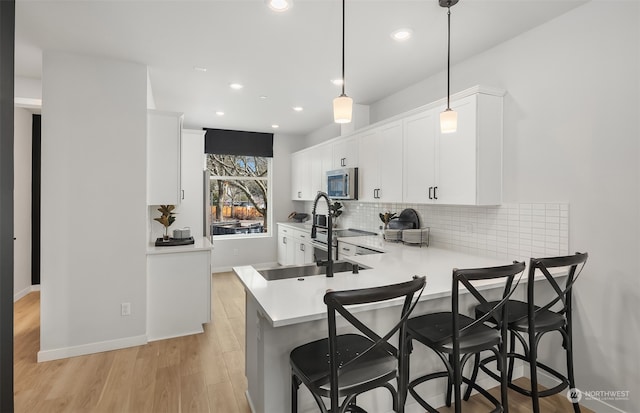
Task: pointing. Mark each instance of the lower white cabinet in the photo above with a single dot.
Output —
(294, 246)
(178, 293)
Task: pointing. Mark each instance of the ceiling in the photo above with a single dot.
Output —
(289, 57)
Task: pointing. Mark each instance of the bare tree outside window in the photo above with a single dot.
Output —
(238, 193)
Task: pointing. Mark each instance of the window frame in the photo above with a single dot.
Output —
(268, 178)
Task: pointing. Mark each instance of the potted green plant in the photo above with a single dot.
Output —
(166, 219)
(335, 210)
(386, 217)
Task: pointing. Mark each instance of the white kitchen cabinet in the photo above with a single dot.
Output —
(286, 245)
(308, 172)
(345, 153)
(460, 168)
(380, 164)
(321, 162)
(190, 212)
(178, 290)
(294, 246)
(301, 176)
(164, 130)
(303, 248)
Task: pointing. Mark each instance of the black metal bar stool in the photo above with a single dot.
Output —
(455, 337)
(536, 320)
(346, 365)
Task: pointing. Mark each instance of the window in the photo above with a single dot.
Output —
(239, 194)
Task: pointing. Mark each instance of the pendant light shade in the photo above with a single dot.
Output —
(343, 104)
(342, 109)
(448, 121)
(448, 118)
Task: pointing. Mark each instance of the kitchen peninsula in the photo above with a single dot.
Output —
(283, 314)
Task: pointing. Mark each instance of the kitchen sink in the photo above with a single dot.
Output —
(297, 271)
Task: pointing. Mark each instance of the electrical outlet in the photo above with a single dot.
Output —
(125, 309)
(235, 252)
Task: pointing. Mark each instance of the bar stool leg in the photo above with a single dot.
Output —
(533, 368)
(295, 384)
(570, 375)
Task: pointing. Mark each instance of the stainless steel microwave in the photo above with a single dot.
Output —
(343, 183)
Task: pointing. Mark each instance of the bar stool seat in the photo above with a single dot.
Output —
(517, 316)
(436, 331)
(312, 360)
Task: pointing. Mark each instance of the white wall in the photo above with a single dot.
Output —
(93, 204)
(571, 133)
(228, 253)
(22, 119)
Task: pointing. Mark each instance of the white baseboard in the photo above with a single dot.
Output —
(60, 353)
(26, 291)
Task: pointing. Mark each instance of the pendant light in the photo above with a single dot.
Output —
(448, 118)
(343, 104)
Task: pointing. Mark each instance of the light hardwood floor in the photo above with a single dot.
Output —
(200, 373)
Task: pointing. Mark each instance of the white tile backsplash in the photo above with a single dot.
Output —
(510, 231)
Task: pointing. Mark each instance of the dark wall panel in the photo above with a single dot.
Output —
(7, 41)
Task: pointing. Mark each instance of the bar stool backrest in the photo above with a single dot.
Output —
(466, 278)
(573, 264)
(337, 301)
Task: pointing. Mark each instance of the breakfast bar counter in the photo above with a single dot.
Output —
(283, 314)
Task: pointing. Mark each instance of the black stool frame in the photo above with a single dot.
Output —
(373, 344)
(474, 335)
(536, 322)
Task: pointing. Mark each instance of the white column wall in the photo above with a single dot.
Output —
(571, 134)
(22, 124)
(93, 204)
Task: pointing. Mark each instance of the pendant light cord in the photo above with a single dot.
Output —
(343, 80)
(448, 51)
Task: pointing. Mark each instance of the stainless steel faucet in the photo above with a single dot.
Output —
(329, 262)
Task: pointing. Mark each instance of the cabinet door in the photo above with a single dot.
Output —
(163, 157)
(320, 160)
(419, 156)
(345, 153)
(190, 211)
(457, 166)
(285, 244)
(390, 163)
(369, 166)
(301, 176)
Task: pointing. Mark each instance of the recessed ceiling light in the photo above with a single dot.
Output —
(199, 69)
(263, 97)
(220, 113)
(279, 5)
(298, 108)
(236, 86)
(337, 82)
(274, 126)
(401, 35)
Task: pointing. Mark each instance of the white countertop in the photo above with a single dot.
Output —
(200, 244)
(290, 301)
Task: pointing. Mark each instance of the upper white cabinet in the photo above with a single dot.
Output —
(345, 153)
(300, 176)
(163, 157)
(380, 163)
(460, 168)
(308, 171)
(190, 213)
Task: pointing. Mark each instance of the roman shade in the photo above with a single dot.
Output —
(234, 142)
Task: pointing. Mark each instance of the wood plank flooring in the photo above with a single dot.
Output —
(202, 373)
